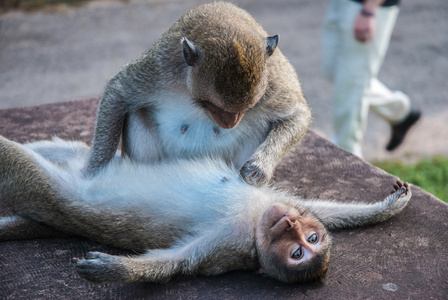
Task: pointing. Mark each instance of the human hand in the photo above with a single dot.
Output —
(364, 27)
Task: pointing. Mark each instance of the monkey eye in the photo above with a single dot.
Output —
(313, 238)
(297, 254)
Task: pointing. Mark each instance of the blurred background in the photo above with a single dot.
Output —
(56, 50)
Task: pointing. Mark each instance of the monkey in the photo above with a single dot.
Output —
(214, 84)
(186, 217)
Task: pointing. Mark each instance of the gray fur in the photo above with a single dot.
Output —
(191, 216)
(215, 37)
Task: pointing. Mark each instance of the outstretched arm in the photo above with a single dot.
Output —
(335, 215)
(216, 252)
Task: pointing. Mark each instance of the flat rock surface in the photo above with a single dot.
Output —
(402, 258)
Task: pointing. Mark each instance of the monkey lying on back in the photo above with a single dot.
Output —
(191, 217)
(213, 85)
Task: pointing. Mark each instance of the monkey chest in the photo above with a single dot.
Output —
(177, 128)
(187, 131)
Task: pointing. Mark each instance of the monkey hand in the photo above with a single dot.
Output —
(254, 173)
(101, 267)
(399, 197)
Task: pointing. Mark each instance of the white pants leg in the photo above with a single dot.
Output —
(353, 67)
(392, 106)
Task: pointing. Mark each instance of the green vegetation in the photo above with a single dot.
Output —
(30, 5)
(429, 174)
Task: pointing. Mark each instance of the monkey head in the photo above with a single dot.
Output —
(293, 246)
(227, 76)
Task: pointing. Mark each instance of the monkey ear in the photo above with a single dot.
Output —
(271, 44)
(191, 52)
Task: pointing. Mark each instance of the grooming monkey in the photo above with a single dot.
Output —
(190, 217)
(213, 85)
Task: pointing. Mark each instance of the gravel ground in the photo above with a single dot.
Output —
(63, 54)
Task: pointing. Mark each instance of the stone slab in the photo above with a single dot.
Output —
(405, 257)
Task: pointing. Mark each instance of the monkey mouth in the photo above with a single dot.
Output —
(224, 119)
(227, 120)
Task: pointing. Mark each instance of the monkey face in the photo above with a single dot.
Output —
(293, 246)
(227, 77)
(226, 107)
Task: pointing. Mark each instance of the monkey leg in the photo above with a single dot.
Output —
(25, 188)
(17, 228)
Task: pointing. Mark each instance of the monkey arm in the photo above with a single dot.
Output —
(111, 114)
(211, 254)
(125, 93)
(284, 135)
(335, 215)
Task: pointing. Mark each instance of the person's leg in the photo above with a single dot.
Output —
(392, 106)
(330, 40)
(352, 78)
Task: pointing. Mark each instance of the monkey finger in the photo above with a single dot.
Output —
(406, 187)
(253, 175)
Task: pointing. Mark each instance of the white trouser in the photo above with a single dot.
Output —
(353, 67)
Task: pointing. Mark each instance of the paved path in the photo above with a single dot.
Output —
(70, 54)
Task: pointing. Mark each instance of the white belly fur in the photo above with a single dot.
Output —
(185, 131)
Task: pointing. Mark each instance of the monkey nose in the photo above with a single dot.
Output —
(291, 224)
